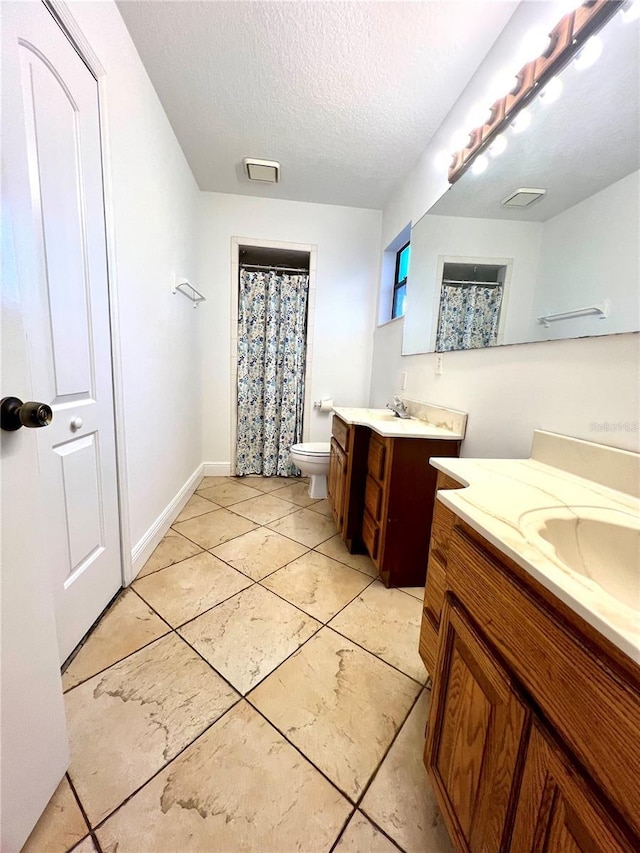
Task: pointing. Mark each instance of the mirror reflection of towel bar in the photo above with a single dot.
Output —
(602, 311)
(190, 292)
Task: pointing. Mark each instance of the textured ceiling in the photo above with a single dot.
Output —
(345, 95)
(573, 148)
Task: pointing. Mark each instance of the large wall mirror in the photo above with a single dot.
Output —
(565, 265)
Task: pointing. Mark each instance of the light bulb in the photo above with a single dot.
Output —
(552, 91)
(498, 145)
(460, 140)
(478, 115)
(501, 85)
(589, 54)
(535, 42)
(442, 160)
(521, 121)
(480, 165)
(631, 11)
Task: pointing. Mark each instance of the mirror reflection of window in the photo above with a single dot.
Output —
(400, 281)
(470, 302)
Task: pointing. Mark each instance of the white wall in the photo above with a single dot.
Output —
(348, 247)
(590, 253)
(484, 240)
(562, 386)
(154, 209)
(586, 388)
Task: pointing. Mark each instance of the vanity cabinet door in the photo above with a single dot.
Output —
(336, 482)
(476, 724)
(556, 810)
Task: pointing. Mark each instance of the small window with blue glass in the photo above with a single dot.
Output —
(400, 281)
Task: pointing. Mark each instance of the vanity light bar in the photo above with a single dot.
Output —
(565, 40)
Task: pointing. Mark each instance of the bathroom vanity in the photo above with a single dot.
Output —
(381, 487)
(531, 632)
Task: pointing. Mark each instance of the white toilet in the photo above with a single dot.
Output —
(312, 458)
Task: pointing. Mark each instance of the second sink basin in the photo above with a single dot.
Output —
(600, 544)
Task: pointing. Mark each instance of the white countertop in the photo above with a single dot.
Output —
(385, 423)
(500, 491)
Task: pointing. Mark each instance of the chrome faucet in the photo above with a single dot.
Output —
(399, 408)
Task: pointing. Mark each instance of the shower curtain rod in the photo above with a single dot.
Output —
(458, 283)
(281, 269)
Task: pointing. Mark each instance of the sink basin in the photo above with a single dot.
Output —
(602, 545)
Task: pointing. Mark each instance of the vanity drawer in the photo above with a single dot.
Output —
(441, 528)
(370, 536)
(592, 708)
(434, 589)
(428, 644)
(340, 431)
(373, 499)
(377, 459)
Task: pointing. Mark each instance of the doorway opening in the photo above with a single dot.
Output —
(472, 301)
(272, 318)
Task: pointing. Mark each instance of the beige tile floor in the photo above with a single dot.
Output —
(255, 689)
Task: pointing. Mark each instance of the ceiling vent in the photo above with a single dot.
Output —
(522, 197)
(264, 171)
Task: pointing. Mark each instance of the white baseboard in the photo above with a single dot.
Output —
(143, 549)
(216, 469)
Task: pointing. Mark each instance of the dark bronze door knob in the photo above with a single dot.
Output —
(15, 414)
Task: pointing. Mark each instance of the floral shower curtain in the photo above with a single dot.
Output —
(469, 317)
(272, 332)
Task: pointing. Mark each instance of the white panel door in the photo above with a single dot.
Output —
(66, 312)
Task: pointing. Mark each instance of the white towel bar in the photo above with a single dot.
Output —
(192, 294)
(601, 310)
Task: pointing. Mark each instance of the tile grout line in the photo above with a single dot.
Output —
(240, 591)
(67, 663)
(119, 660)
(300, 752)
(129, 654)
(343, 830)
(270, 722)
(380, 829)
(241, 697)
(258, 527)
(358, 811)
(387, 751)
(324, 624)
(253, 583)
(140, 577)
(130, 796)
(321, 624)
(192, 619)
(176, 628)
(368, 651)
(90, 834)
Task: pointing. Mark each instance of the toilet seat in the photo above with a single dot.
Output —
(312, 458)
(312, 448)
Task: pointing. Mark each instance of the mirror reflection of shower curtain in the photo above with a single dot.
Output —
(469, 316)
(272, 336)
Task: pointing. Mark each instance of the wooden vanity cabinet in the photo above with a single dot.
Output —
(556, 809)
(474, 735)
(346, 480)
(337, 482)
(441, 527)
(534, 727)
(381, 492)
(399, 493)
